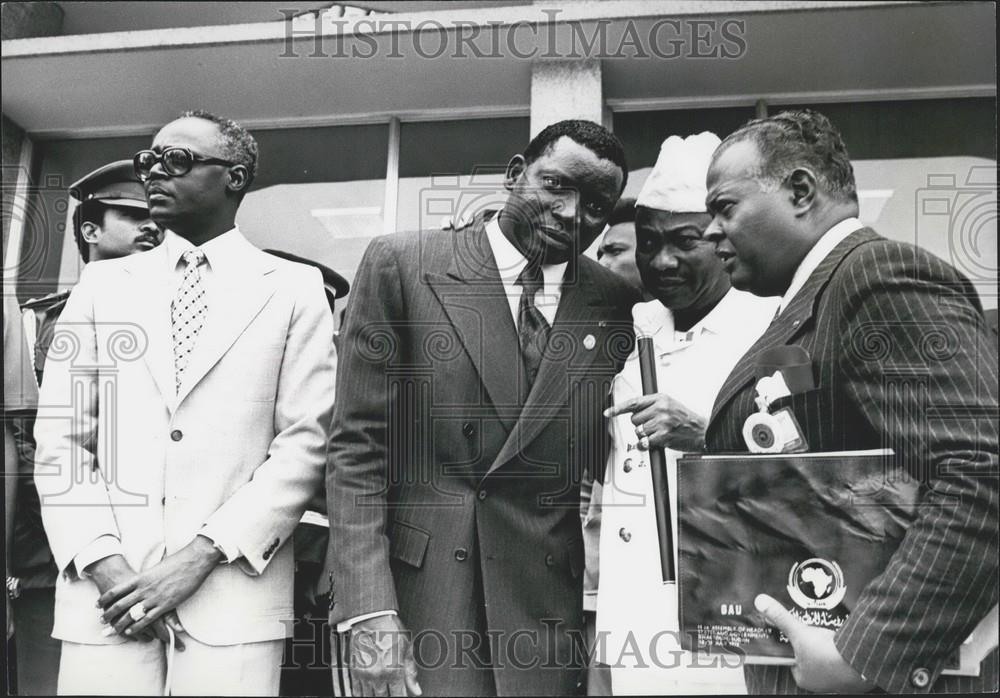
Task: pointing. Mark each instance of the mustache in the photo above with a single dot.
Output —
(155, 188)
(666, 279)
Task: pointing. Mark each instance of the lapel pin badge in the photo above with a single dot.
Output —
(589, 342)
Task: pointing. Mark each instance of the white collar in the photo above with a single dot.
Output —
(510, 261)
(729, 313)
(218, 250)
(824, 246)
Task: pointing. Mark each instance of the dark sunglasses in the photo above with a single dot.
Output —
(176, 161)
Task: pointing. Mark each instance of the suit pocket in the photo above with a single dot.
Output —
(408, 543)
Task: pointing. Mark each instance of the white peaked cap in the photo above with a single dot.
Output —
(677, 182)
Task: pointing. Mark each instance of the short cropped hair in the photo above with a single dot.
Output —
(795, 139)
(624, 211)
(594, 137)
(86, 212)
(238, 144)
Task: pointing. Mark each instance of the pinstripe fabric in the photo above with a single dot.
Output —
(902, 359)
(450, 500)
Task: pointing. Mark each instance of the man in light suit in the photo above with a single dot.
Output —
(901, 357)
(474, 367)
(182, 431)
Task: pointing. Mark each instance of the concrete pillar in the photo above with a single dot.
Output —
(565, 90)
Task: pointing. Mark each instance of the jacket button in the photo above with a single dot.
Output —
(624, 535)
(628, 465)
(461, 554)
(481, 494)
(550, 560)
(920, 678)
(176, 435)
(468, 429)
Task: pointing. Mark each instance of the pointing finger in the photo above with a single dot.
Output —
(629, 406)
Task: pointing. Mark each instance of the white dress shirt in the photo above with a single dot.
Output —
(824, 246)
(217, 252)
(510, 264)
(634, 606)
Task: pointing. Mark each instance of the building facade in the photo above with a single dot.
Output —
(385, 116)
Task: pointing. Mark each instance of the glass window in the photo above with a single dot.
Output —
(319, 193)
(913, 129)
(448, 168)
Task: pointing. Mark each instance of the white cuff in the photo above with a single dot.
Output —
(230, 551)
(345, 625)
(100, 548)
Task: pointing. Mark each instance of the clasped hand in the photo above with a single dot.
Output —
(156, 592)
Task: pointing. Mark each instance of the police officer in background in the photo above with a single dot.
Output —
(111, 220)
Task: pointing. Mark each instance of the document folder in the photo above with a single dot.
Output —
(809, 529)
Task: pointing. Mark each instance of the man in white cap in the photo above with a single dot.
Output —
(700, 327)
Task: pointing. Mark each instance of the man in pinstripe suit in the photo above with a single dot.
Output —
(901, 357)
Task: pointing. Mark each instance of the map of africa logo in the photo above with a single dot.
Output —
(816, 583)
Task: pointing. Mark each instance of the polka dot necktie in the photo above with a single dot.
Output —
(188, 311)
(532, 328)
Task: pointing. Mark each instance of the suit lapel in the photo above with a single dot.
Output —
(149, 308)
(574, 322)
(475, 302)
(237, 297)
(795, 317)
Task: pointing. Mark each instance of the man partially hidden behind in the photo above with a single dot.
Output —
(182, 432)
(474, 368)
(617, 249)
(700, 327)
(111, 221)
(901, 357)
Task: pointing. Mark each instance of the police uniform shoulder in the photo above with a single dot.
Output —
(45, 302)
(335, 284)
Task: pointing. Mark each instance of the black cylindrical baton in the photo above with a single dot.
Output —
(658, 469)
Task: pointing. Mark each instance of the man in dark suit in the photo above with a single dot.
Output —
(474, 367)
(901, 358)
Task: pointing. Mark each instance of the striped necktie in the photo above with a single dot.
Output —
(532, 327)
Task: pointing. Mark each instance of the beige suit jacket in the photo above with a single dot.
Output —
(240, 449)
